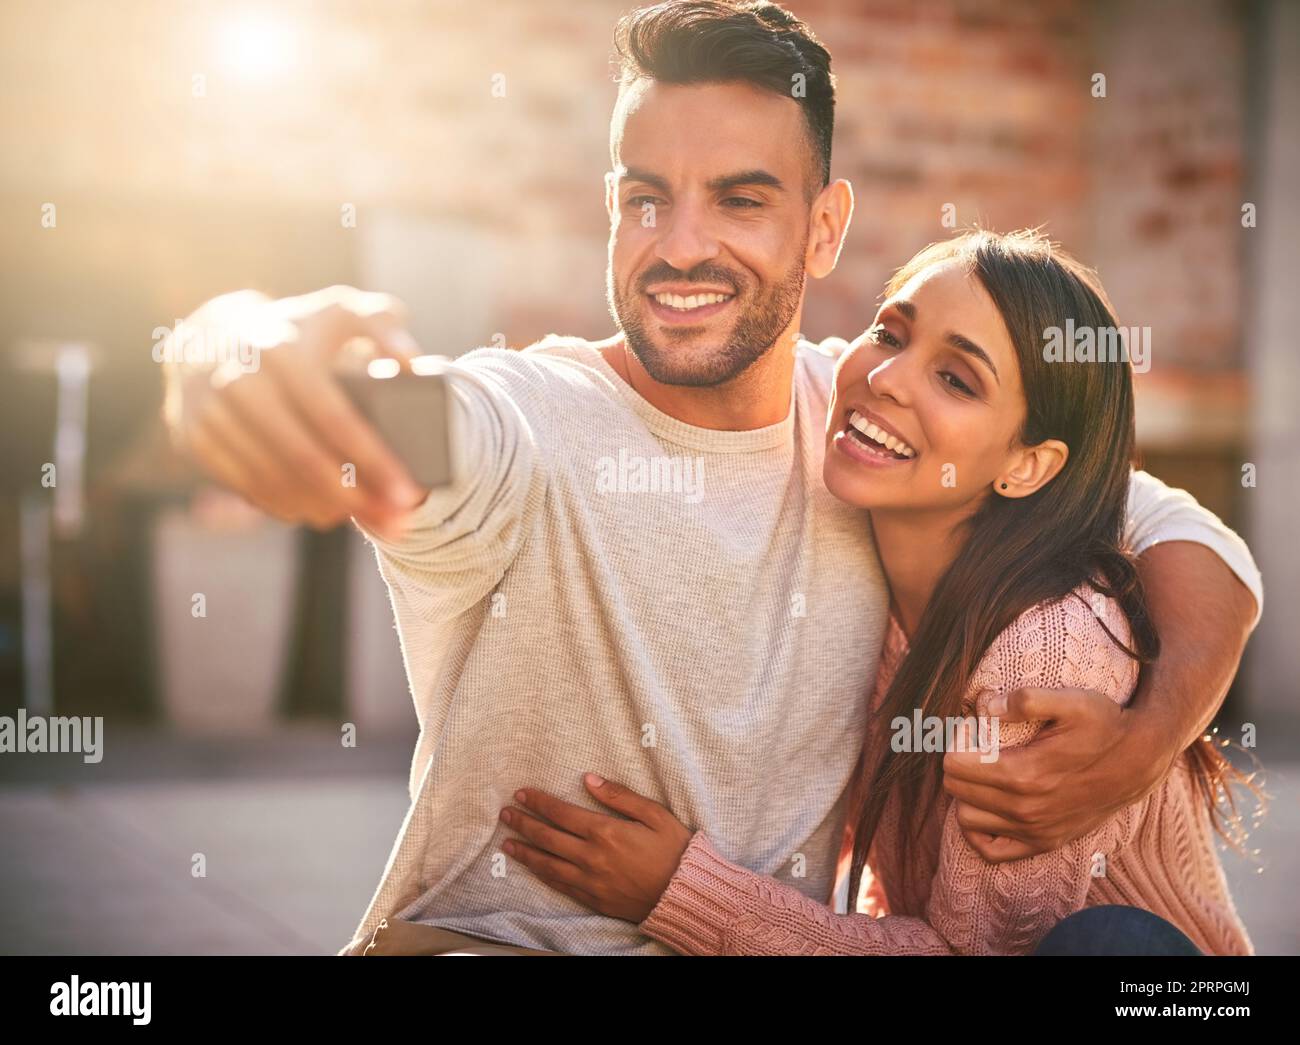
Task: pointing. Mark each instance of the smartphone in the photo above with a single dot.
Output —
(409, 411)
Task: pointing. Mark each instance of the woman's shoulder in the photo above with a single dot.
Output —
(1079, 640)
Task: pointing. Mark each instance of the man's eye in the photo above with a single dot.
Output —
(639, 201)
(882, 336)
(741, 202)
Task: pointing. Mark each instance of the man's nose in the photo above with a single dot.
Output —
(685, 237)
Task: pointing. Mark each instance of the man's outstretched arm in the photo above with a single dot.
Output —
(1095, 758)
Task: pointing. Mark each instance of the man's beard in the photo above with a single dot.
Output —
(757, 329)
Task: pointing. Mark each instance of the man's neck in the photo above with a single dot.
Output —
(754, 399)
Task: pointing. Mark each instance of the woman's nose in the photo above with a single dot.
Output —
(890, 379)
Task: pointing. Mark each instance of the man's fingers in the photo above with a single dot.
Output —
(208, 449)
(972, 819)
(1003, 773)
(271, 482)
(331, 317)
(274, 424)
(386, 327)
(225, 464)
(543, 836)
(1031, 704)
(339, 425)
(982, 796)
(574, 819)
(999, 849)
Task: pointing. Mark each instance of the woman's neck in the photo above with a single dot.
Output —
(916, 548)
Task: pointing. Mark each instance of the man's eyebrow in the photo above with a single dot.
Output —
(958, 341)
(750, 177)
(642, 175)
(719, 184)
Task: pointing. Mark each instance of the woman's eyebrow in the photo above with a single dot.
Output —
(958, 341)
(965, 344)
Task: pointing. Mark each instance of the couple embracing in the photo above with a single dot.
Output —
(656, 723)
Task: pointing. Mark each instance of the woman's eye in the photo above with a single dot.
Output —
(955, 382)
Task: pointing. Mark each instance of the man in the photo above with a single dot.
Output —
(708, 637)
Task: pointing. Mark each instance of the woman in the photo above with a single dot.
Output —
(996, 478)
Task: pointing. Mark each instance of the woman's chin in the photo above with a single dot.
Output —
(865, 480)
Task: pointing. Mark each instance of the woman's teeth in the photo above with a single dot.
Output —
(694, 301)
(889, 442)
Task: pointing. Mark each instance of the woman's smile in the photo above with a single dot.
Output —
(866, 438)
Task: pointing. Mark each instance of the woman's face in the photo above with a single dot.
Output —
(936, 380)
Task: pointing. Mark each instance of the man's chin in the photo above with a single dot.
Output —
(690, 365)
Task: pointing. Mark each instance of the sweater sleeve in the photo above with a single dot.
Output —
(463, 537)
(713, 906)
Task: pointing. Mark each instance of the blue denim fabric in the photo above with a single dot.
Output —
(1115, 930)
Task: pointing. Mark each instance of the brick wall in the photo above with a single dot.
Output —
(179, 173)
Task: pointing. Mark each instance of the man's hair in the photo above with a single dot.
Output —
(719, 41)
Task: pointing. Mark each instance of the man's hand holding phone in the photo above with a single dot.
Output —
(277, 425)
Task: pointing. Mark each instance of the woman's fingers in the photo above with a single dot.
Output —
(624, 800)
(550, 868)
(558, 843)
(574, 819)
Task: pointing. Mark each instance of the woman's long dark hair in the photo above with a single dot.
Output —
(1019, 552)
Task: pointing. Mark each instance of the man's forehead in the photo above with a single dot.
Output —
(704, 131)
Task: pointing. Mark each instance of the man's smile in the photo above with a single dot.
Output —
(688, 306)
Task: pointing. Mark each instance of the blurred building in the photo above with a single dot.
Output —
(453, 154)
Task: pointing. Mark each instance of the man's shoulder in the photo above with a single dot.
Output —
(568, 347)
(818, 358)
(554, 356)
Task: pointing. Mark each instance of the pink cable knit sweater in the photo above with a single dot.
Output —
(1157, 854)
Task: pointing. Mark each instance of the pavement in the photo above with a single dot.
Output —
(274, 844)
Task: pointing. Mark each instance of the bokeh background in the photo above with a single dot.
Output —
(154, 153)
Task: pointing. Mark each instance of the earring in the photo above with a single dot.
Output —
(1004, 486)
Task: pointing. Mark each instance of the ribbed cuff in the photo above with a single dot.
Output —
(703, 899)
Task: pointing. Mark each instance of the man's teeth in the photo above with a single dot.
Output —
(886, 440)
(694, 301)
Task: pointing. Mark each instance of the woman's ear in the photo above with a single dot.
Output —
(1033, 467)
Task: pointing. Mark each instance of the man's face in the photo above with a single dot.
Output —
(709, 224)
